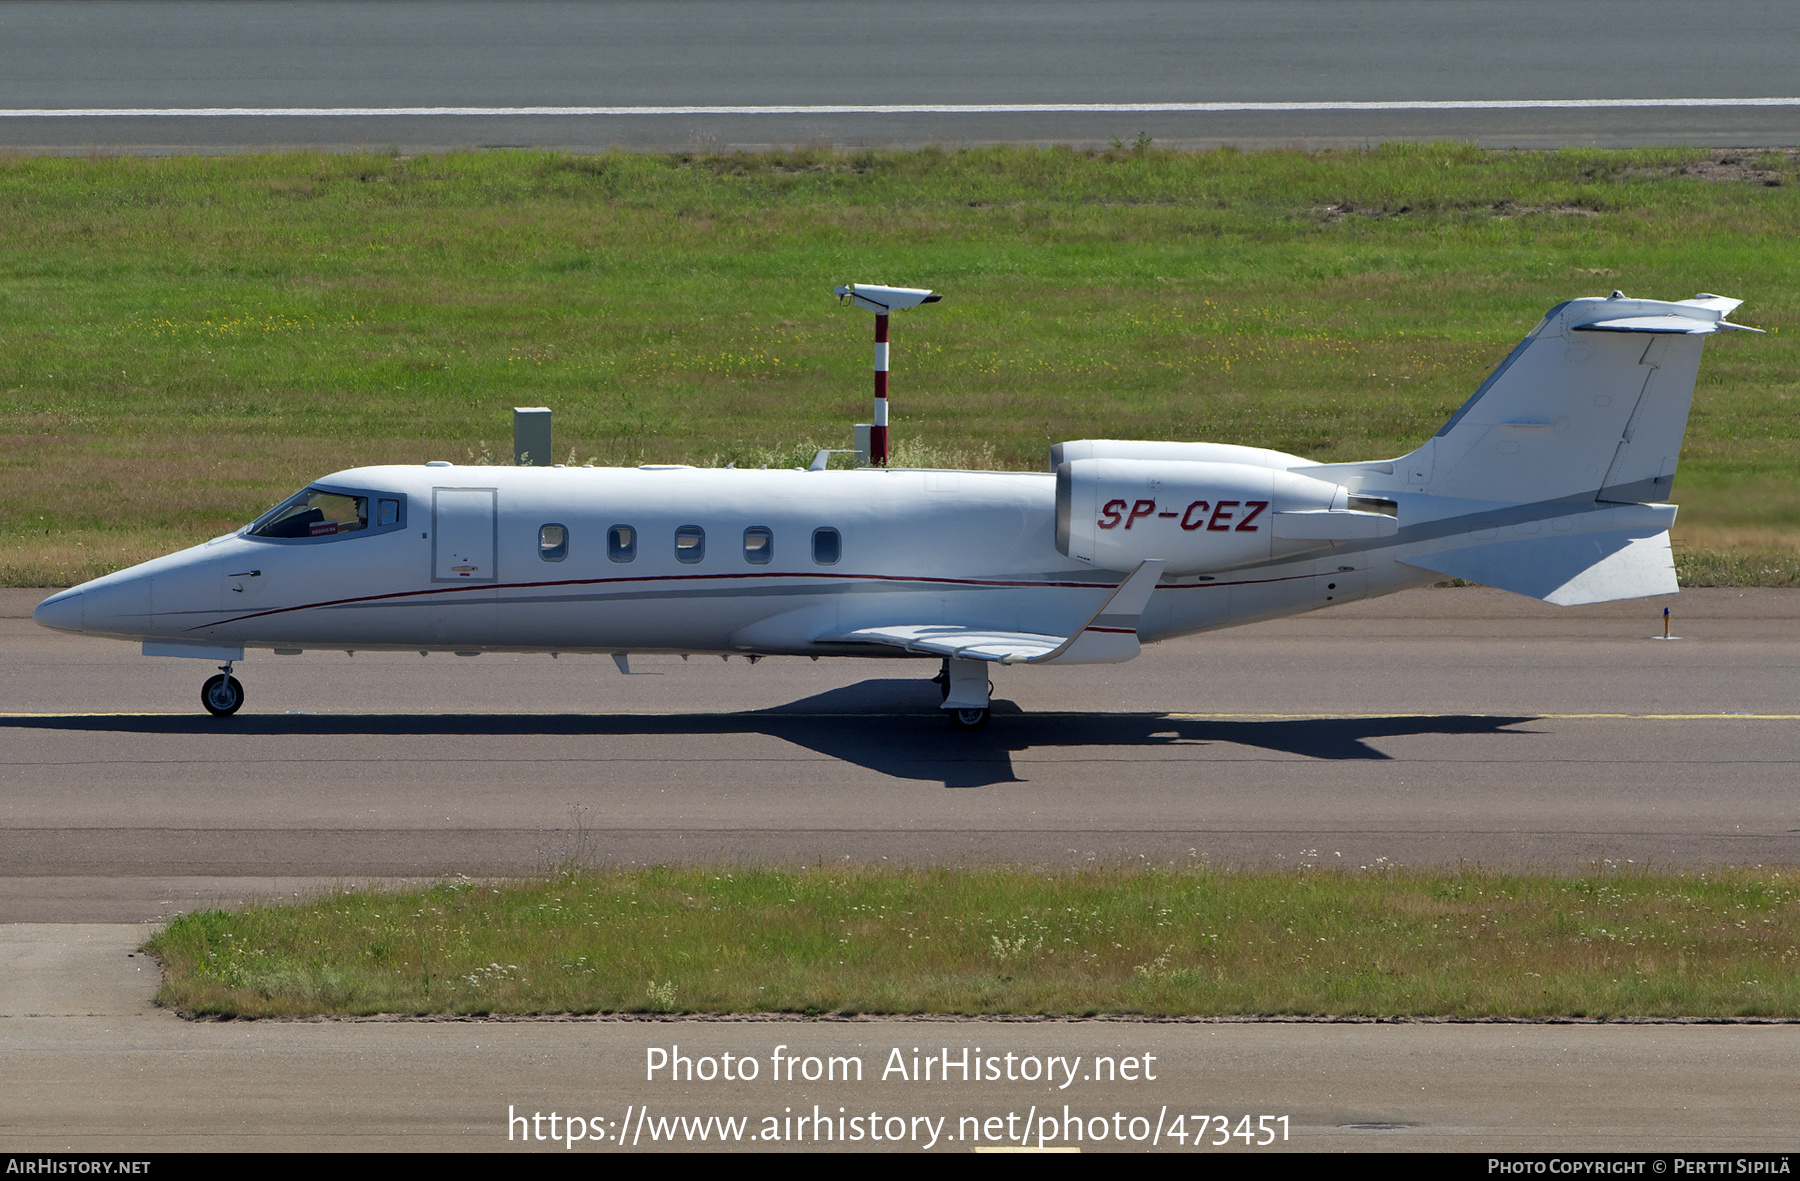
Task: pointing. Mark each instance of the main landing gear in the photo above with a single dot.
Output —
(222, 695)
(965, 689)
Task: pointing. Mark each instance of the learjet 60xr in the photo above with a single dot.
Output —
(1552, 481)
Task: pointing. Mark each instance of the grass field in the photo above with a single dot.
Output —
(185, 340)
(1353, 940)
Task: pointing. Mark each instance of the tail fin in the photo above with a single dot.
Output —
(1594, 401)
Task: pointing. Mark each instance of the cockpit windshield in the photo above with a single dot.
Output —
(314, 513)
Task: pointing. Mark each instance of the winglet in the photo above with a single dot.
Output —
(1110, 635)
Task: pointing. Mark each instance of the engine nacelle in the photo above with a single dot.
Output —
(1115, 513)
(1061, 453)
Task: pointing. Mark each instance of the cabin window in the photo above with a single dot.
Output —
(553, 542)
(759, 545)
(690, 544)
(621, 543)
(315, 513)
(828, 547)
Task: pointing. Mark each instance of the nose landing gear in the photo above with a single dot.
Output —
(222, 695)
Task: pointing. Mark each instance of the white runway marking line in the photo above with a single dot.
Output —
(1504, 104)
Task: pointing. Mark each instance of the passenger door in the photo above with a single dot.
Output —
(463, 535)
(463, 544)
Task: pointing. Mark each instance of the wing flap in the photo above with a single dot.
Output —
(966, 643)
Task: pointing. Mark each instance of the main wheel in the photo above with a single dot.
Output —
(968, 719)
(221, 695)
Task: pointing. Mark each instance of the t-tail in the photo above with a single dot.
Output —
(1554, 479)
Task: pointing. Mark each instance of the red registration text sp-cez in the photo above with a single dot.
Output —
(1115, 513)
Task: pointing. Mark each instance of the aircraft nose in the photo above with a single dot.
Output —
(61, 611)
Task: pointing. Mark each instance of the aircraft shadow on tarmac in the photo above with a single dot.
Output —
(890, 726)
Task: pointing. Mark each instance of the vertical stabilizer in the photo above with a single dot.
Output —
(1594, 401)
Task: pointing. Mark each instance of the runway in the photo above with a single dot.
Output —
(1432, 727)
(817, 59)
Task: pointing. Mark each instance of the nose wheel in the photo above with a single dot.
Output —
(222, 695)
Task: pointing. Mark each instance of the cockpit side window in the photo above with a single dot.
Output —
(319, 513)
(314, 513)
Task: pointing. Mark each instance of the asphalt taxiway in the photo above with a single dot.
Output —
(1437, 726)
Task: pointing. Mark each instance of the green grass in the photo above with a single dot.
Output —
(1366, 940)
(1767, 567)
(185, 340)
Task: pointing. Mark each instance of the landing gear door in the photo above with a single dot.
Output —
(463, 534)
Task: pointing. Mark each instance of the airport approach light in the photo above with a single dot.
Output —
(881, 301)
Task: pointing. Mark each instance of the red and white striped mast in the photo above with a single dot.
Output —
(881, 301)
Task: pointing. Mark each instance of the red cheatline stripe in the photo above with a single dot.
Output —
(999, 584)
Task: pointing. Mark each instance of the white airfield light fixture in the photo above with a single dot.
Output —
(881, 301)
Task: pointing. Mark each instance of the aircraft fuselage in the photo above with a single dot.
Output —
(718, 561)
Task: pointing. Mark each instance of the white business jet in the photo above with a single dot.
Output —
(1551, 481)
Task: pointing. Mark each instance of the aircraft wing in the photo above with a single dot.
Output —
(1108, 637)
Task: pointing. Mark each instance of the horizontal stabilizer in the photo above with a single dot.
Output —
(1108, 637)
(1586, 568)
